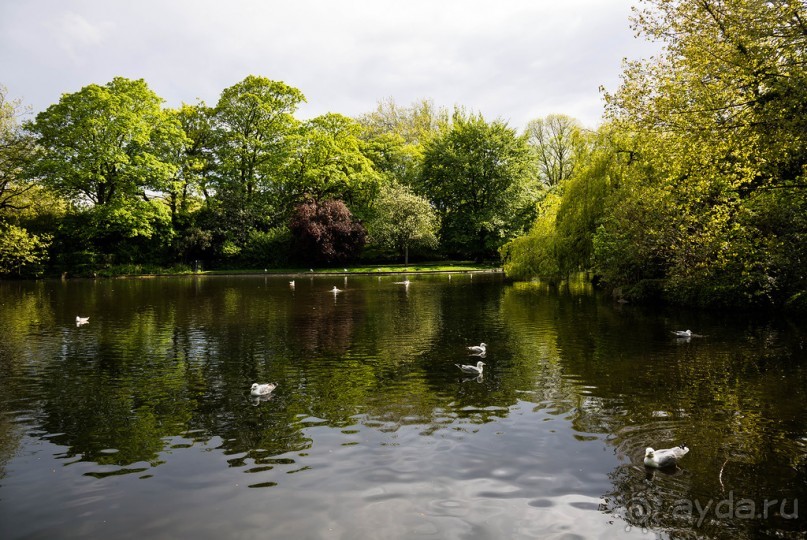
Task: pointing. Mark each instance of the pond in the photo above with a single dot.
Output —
(140, 422)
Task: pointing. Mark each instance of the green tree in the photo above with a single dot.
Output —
(535, 254)
(22, 200)
(17, 149)
(254, 127)
(328, 162)
(396, 137)
(415, 124)
(107, 143)
(403, 220)
(598, 171)
(22, 254)
(195, 159)
(476, 174)
(730, 79)
(719, 122)
(110, 150)
(561, 239)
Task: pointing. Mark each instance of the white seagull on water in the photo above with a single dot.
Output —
(686, 334)
(478, 349)
(477, 369)
(262, 389)
(81, 320)
(666, 457)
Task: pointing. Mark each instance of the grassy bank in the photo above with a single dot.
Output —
(441, 266)
(370, 269)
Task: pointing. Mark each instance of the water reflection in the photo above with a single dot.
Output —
(372, 419)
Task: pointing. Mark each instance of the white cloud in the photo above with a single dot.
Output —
(77, 29)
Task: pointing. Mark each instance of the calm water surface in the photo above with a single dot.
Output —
(140, 423)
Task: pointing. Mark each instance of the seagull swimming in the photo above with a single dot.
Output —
(478, 349)
(262, 389)
(82, 320)
(291, 283)
(335, 290)
(682, 333)
(477, 369)
(666, 457)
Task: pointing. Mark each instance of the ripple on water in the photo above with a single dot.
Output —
(448, 507)
(379, 494)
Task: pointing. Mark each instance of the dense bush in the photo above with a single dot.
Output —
(21, 253)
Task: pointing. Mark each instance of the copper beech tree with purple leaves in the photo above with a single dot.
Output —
(326, 233)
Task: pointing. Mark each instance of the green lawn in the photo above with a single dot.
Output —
(444, 266)
(133, 270)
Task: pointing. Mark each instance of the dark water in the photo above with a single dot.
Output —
(140, 424)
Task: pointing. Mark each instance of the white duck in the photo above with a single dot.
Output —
(81, 320)
(478, 349)
(476, 370)
(262, 389)
(666, 457)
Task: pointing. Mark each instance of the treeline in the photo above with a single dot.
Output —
(108, 179)
(691, 191)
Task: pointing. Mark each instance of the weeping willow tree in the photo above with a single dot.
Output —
(560, 241)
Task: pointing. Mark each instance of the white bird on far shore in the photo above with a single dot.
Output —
(686, 334)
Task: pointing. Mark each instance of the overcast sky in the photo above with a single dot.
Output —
(514, 60)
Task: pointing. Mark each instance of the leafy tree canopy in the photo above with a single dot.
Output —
(403, 220)
(719, 126)
(329, 163)
(253, 122)
(476, 174)
(106, 143)
(17, 150)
